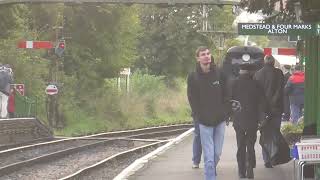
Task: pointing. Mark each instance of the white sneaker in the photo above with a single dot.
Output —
(195, 166)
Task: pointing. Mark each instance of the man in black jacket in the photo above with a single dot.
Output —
(251, 97)
(207, 98)
(271, 80)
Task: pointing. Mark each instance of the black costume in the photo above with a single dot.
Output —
(251, 97)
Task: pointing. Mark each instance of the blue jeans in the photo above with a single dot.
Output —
(212, 141)
(196, 149)
(296, 112)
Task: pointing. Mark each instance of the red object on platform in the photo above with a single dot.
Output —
(11, 101)
(280, 51)
(35, 44)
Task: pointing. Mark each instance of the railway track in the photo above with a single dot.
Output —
(161, 133)
(117, 163)
(66, 158)
(151, 132)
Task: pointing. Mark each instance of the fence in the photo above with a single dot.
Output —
(25, 106)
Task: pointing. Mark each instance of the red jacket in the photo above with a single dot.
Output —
(11, 104)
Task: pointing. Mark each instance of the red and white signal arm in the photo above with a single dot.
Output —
(35, 45)
(19, 88)
(52, 89)
(280, 51)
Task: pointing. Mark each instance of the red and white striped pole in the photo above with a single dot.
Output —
(280, 51)
(35, 45)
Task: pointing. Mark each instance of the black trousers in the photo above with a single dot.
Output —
(246, 154)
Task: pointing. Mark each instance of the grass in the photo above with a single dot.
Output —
(150, 103)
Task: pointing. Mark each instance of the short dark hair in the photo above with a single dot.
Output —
(298, 67)
(269, 59)
(286, 66)
(199, 49)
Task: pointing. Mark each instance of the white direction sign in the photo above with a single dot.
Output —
(125, 71)
(19, 88)
(52, 89)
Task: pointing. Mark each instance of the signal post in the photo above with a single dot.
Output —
(52, 100)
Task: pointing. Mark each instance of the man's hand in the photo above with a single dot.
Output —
(263, 122)
(228, 120)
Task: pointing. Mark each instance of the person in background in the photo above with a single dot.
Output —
(196, 146)
(271, 80)
(6, 78)
(295, 89)
(286, 102)
(11, 103)
(207, 98)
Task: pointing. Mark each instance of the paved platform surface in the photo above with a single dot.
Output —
(175, 164)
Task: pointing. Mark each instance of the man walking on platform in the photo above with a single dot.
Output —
(248, 93)
(209, 105)
(271, 80)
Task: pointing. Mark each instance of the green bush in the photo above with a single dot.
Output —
(292, 128)
(150, 102)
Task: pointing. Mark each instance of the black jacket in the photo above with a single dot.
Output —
(251, 97)
(271, 80)
(206, 95)
(275, 146)
(286, 77)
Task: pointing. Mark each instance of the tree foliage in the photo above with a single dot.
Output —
(100, 40)
(171, 36)
(283, 13)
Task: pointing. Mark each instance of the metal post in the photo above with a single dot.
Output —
(128, 83)
(52, 100)
(317, 80)
(312, 86)
(204, 18)
(119, 84)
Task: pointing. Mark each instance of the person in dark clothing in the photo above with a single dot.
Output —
(295, 89)
(208, 101)
(251, 97)
(271, 80)
(11, 103)
(6, 78)
(286, 102)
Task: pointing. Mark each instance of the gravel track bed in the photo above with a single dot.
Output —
(69, 164)
(163, 137)
(2, 148)
(167, 137)
(21, 155)
(111, 169)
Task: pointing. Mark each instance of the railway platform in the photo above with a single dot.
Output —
(175, 163)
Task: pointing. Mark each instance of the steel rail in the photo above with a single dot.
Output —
(142, 130)
(159, 134)
(113, 158)
(35, 141)
(117, 134)
(16, 166)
